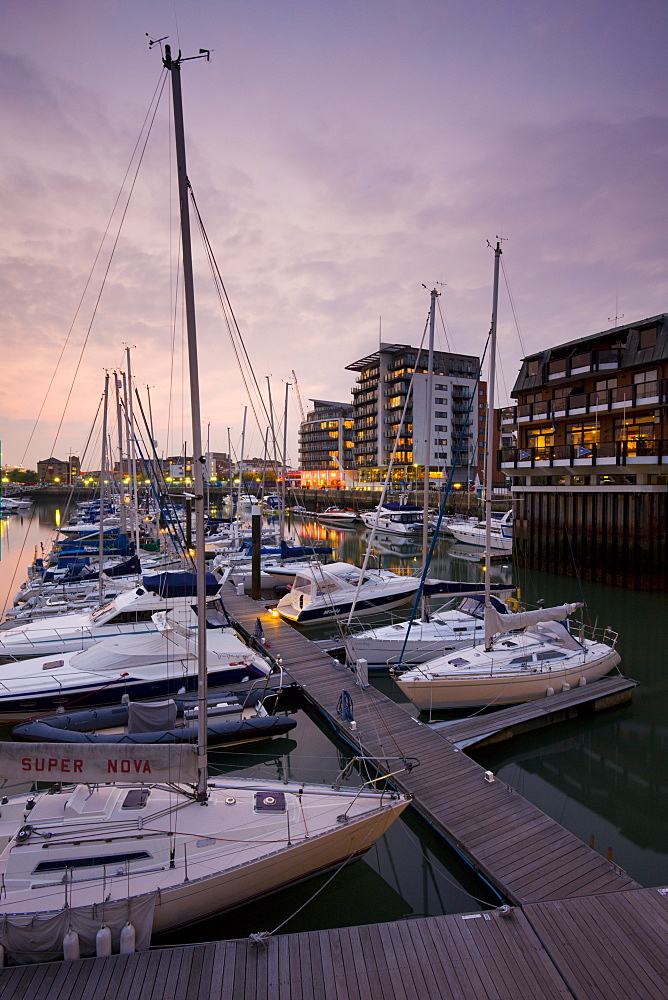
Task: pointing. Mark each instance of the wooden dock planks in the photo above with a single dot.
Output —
(523, 853)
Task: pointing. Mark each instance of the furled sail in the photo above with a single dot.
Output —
(94, 764)
(496, 624)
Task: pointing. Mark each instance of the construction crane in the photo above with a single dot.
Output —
(299, 398)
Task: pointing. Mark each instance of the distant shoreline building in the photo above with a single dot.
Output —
(54, 470)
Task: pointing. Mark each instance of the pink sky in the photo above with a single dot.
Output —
(342, 155)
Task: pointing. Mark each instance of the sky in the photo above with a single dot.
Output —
(346, 157)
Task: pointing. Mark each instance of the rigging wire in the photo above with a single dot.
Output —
(153, 103)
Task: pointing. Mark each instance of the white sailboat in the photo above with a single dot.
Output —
(105, 865)
(526, 655)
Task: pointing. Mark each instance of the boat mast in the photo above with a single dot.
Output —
(174, 66)
(489, 437)
(103, 467)
(429, 421)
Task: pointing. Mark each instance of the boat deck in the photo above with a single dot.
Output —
(609, 947)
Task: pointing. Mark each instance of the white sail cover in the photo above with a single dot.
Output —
(496, 624)
(89, 763)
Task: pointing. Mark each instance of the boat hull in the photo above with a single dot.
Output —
(477, 690)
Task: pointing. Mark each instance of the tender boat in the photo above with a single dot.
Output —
(231, 719)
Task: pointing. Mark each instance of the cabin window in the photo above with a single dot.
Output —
(64, 864)
(136, 798)
(104, 610)
(132, 617)
(551, 656)
(521, 659)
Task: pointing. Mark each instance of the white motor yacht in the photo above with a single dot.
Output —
(395, 518)
(332, 591)
(130, 613)
(150, 665)
(406, 642)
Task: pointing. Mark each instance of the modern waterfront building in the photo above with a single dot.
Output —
(589, 466)
(383, 419)
(326, 446)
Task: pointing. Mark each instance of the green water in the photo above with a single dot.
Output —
(605, 778)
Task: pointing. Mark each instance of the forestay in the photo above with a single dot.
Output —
(95, 764)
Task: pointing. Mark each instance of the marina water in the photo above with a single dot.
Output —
(603, 778)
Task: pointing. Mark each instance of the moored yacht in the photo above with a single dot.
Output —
(332, 591)
(130, 613)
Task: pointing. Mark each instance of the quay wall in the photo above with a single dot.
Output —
(615, 538)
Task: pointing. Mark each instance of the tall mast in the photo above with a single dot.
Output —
(103, 466)
(121, 487)
(429, 423)
(489, 437)
(133, 452)
(174, 66)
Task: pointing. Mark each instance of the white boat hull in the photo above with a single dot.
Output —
(477, 689)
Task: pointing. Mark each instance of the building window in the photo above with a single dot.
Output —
(540, 437)
(640, 428)
(583, 433)
(532, 367)
(641, 377)
(647, 338)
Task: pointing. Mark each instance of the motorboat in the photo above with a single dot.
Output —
(335, 590)
(460, 622)
(154, 664)
(475, 533)
(130, 613)
(394, 518)
(341, 517)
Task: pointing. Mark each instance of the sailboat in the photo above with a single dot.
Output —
(525, 655)
(105, 863)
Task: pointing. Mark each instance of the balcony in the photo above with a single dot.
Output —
(582, 364)
(602, 400)
(635, 452)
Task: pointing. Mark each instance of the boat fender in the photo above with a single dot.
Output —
(582, 681)
(103, 941)
(565, 686)
(549, 691)
(71, 945)
(127, 939)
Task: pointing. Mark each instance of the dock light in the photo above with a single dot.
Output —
(489, 776)
(274, 613)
